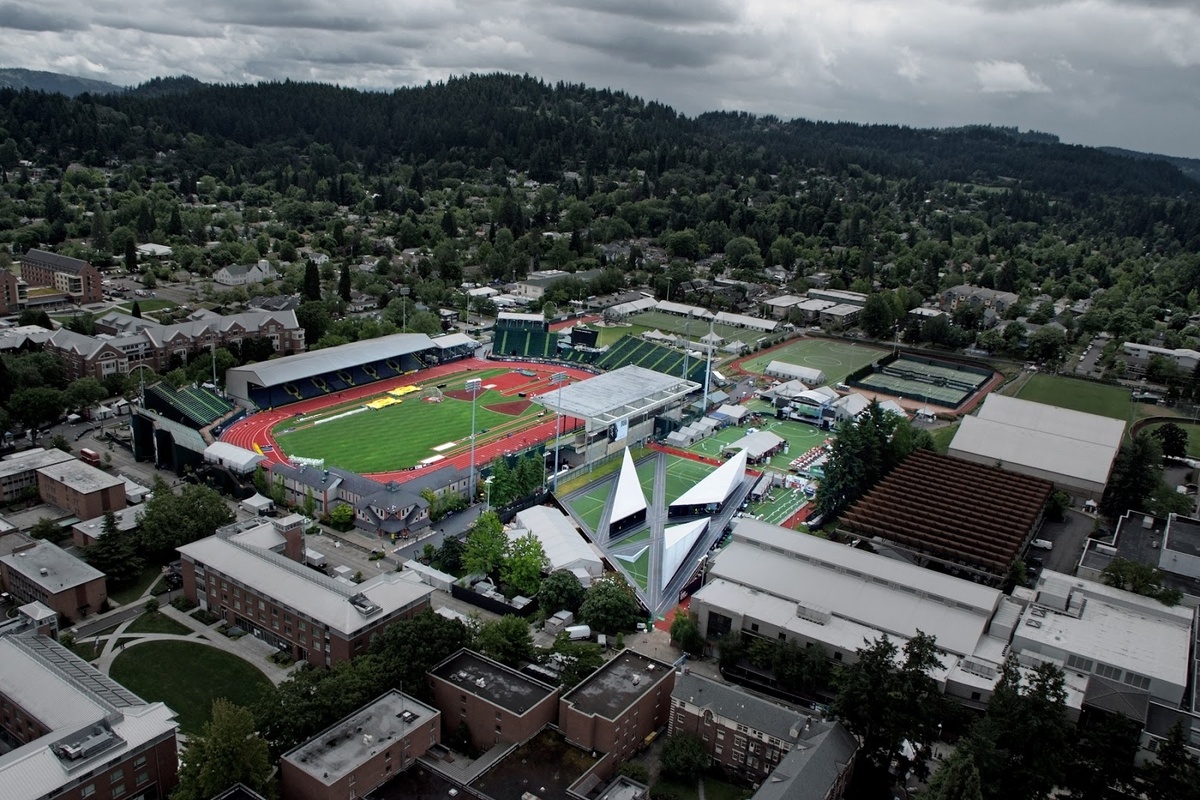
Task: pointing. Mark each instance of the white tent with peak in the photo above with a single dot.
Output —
(714, 490)
(678, 541)
(630, 500)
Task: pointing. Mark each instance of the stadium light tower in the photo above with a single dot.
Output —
(473, 387)
(558, 378)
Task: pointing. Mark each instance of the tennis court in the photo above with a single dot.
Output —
(835, 359)
(929, 382)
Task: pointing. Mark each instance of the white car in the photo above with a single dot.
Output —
(1042, 544)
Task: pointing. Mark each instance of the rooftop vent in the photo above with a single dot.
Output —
(43, 571)
(480, 682)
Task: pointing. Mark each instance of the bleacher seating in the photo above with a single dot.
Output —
(191, 405)
(345, 377)
(631, 350)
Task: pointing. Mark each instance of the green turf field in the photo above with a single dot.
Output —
(836, 359)
(1094, 398)
(638, 568)
(801, 438)
(402, 435)
(590, 506)
(783, 503)
(682, 474)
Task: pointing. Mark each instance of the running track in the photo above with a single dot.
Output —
(256, 429)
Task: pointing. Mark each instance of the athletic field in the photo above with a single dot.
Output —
(673, 323)
(782, 505)
(637, 564)
(1094, 398)
(682, 474)
(836, 359)
(1193, 433)
(801, 437)
(365, 440)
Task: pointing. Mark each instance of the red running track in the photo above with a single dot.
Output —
(256, 429)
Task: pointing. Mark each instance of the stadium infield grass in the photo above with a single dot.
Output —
(401, 435)
(1094, 398)
(835, 359)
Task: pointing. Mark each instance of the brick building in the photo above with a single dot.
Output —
(36, 571)
(361, 752)
(252, 575)
(497, 704)
(124, 342)
(618, 706)
(18, 472)
(74, 277)
(752, 737)
(14, 293)
(80, 488)
(77, 734)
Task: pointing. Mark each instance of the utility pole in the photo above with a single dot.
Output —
(473, 387)
(557, 378)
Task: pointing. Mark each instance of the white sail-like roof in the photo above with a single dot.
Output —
(717, 485)
(630, 499)
(677, 543)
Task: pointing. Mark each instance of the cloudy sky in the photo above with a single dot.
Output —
(1098, 72)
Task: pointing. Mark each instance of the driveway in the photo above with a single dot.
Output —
(1068, 537)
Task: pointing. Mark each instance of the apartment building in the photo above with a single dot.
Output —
(34, 571)
(495, 703)
(14, 293)
(18, 472)
(252, 575)
(84, 490)
(74, 277)
(76, 734)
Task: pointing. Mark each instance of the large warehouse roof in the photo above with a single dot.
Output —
(882, 593)
(306, 365)
(563, 545)
(952, 509)
(616, 395)
(1054, 441)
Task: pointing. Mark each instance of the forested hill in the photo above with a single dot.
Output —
(70, 85)
(542, 129)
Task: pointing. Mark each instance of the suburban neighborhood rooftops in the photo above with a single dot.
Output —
(343, 746)
(492, 681)
(618, 684)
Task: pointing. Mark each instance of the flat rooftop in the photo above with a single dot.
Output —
(617, 685)
(952, 509)
(81, 477)
(344, 746)
(545, 766)
(30, 460)
(492, 681)
(50, 567)
(1183, 536)
(617, 394)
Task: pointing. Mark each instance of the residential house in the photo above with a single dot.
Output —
(245, 274)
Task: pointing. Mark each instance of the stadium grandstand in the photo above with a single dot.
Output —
(194, 406)
(524, 336)
(280, 381)
(632, 351)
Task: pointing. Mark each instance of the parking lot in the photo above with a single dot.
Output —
(1067, 538)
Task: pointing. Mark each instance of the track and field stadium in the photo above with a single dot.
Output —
(387, 406)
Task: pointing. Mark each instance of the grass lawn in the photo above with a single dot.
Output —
(682, 474)
(147, 304)
(404, 434)
(1193, 432)
(188, 677)
(1094, 398)
(157, 622)
(136, 589)
(835, 359)
(942, 437)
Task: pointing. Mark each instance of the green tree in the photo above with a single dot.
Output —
(228, 751)
(574, 660)
(48, 529)
(507, 639)
(342, 516)
(85, 393)
(37, 407)
(1139, 578)
(344, 283)
(1175, 775)
(560, 591)
(449, 556)
(1173, 439)
(877, 316)
(170, 520)
(116, 553)
(684, 757)
(131, 257)
(1102, 756)
(424, 322)
(136, 310)
(314, 318)
(686, 633)
(523, 564)
(958, 779)
(486, 545)
(888, 697)
(609, 606)
(312, 283)
(1136, 473)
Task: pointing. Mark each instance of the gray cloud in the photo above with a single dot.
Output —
(1122, 72)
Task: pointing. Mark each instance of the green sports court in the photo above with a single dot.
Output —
(682, 474)
(836, 359)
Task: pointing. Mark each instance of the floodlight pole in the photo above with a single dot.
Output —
(473, 387)
(557, 378)
(708, 369)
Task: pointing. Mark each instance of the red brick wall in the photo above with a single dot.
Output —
(625, 735)
(482, 717)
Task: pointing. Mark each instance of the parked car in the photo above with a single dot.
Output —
(1042, 544)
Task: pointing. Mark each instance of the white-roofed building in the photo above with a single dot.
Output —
(1073, 449)
(743, 321)
(850, 406)
(237, 460)
(85, 533)
(77, 733)
(784, 371)
(629, 504)
(632, 307)
(618, 408)
(779, 307)
(561, 541)
(684, 310)
(757, 446)
(709, 495)
(252, 575)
